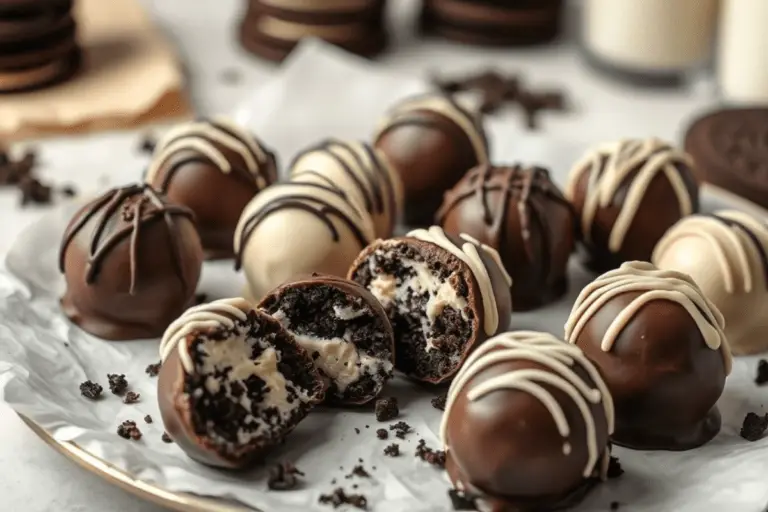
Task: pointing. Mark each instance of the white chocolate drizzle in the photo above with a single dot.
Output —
(610, 165)
(468, 253)
(218, 314)
(653, 285)
(560, 360)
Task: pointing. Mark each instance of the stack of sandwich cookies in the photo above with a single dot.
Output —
(493, 22)
(38, 45)
(272, 28)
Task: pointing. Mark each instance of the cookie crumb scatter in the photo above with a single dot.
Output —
(382, 433)
(392, 450)
(147, 143)
(283, 477)
(68, 191)
(131, 398)
(434, 457)
(338, 498)
(401, 429)
(118, 384)
(166, 438)
(147, 419)
(439, 402)
(360, 471)
(129, 430)
(34, 191)
(91, 390)
(153, 369)
(461, 501)
(614, 468)
(357, 430)
(762, 372)
(386, 409)
(754, 426)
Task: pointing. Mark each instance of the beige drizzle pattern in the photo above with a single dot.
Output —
(217, 314)
(469, 255)
(655, 284)
(560, 359)
(651, 157)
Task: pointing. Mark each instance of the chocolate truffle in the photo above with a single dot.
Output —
(299, 228)
(627, 195)
(660, 346)
(131, 261)
(233, 383)
(523, 215)
(726, 254)
(214, 168)
(356, 168)
(444, 295)
(527, 400)
(432, 142)
(343, 328)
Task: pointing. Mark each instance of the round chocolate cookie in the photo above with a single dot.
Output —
(215, 168)
(527, 400)
(522, 214)
(659, 344)
(356, 168)
(493, 23)
(20, 9)
(444, 296)
(321, 12)
(730, 148)
(343, 328)
(726, 254)
(432, 142)
(131, 261)
(626, 195)
(46, 74)
(39, 52)
(295, 228)
(233, 383)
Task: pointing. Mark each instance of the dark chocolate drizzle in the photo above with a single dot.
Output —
(518, 186)
(301, 201)
(751, 235)
(137, 206)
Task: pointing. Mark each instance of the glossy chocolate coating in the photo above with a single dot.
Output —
(425, 142)
(214, 168)
(131, 261)
(521, 213)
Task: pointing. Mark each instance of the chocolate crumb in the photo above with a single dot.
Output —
(68, 191)
(386, 409)
(762, 372)
(91, 390)
(34, 191)
(392, 450)
(461, 501)
(382, 433)
(754, 426)
(401, 428)
(153, 369)
(614, 468)
(147, 419)
(359, 471)
(338, 498)
(129, 430)
(355, 486)
(367, 426)
(360, 460)
(131, 398)
(118, 385)
(166, 438)
(282, 477)
(333, 482)
(434, 457)
(357, 431)
(147, 143)
(615, 505)
(439, 402)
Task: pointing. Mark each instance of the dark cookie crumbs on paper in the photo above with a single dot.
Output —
(392, 450)
(166, 438)
(754, 426)
(615, 505)
(439, 402)
(91, 390)
(118, 384)
(68, 191)
(386, 409)
(434, 457)
(131, 398)
(382, 433)
(338, 498)
(129, 430)
(614, 468)
(153, 369)
(360, 471)
(34, 191)
(147, 143)
(13, 171)
(283, 477)
(147, 419)
(357, 430)
(401, 429)
(461, 501)
(762, 372)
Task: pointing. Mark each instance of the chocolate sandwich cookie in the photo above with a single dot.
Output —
(29, 8)
(730, 148)
(493, 22)
(314, 12)
(39, 51)
(46, 74)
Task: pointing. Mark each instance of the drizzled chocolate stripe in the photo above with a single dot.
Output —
(751, 235)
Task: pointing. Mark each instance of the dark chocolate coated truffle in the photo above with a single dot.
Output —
(343, 328)
(233, 383)
(432, 142)
(214, 168)
(660, 346)
(522, 214)
(444, 295)
(526, 424)
(131, 261)
(626, 196)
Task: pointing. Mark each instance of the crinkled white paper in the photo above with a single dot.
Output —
(321, 92)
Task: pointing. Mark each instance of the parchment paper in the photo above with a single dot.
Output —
(40, 374)
(130, 76)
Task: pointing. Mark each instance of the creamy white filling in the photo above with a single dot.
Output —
(441, 294)
(347, 312)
